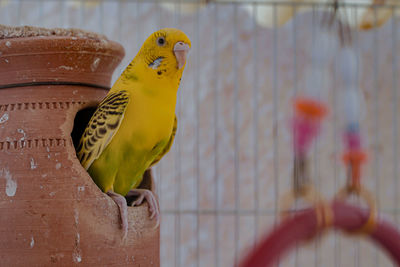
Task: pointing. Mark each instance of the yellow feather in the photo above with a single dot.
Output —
(144, 122)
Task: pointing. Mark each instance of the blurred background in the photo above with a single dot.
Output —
(219, 187)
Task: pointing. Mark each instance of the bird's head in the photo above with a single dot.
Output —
(164, 52)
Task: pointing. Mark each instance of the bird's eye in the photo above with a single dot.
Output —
(161, 41)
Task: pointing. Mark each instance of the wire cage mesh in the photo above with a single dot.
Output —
(220, 184)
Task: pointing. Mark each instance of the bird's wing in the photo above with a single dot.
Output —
(168, 145)
(102, 127)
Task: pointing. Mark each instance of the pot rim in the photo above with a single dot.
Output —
(58, 60)
(12, 46)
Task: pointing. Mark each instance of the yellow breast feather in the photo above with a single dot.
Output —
(168, 145)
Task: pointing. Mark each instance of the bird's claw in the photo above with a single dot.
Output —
(138, 201)
(141, 194)
(123, 211)
(151, 200)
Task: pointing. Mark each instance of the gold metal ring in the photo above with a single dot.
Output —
(323, 211)
(308, 193)
(367, 196)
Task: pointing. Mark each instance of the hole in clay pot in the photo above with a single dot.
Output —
(80, 122)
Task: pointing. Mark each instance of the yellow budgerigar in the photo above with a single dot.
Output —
(135, 124)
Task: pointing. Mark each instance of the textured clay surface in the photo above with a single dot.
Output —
(31, 31)
(52, 214)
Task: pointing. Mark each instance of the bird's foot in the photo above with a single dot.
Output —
(123, 210)
(151, 199)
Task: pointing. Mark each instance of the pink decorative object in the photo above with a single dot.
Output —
(304, 131)
(352, 140)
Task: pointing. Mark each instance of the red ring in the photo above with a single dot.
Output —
(303, 226)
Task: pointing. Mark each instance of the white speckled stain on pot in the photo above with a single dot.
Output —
(58, 166)
(95, 64)
(66, 67)
(81, 188)
(11, 185)
(33, 164)
(77, 257)
(4, 118)
(23, 134)
(32, 244)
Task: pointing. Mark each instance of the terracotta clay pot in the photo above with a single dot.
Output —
(52, 213)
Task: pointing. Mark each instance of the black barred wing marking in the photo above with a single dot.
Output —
(102, 127)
